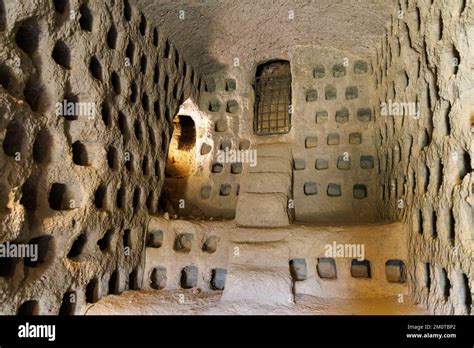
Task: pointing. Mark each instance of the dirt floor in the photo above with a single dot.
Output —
(194, 302)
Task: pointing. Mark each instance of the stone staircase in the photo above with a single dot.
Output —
(265, 190)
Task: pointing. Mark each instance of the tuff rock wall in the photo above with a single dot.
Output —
(331, 170)
(425, 176)
(81, 186)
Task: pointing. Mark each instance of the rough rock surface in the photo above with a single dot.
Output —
(81, 186)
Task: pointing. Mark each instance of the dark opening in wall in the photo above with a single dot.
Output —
(3, 20)
(99, 196)
(112, 157)
(60, 6)
(86, 18)
(28, 308)
(360, 269)
(166, 83)
(145, 102)
(181, 157)
(130, 50)
(80, 155)
(5, 76)
(176, 59)
(150, 202)
(106, 116)
(69, 97)
(28, 194)
(127, 10)
(44, 245)
(167, 49)
(427, 275)
(145, 169)
(58, 197)
(464, 165)
(115, 80)
(15, 138)
(92, 291)
(42, 146)
(137, 127)
(136, 201)
(62, 55)
(133, 92)
(151, 137)
(444, 284)
(433, 223)
(419, 221)
(142, 25)
(272, 98)
(450, 226)
(95, 68)
(28, 35)
(123, 125)
(127, 239)
(77, 246)
(120, 199)
(155, 37)
(112, 37)
(465, 293)
(104, 242)
(68, 304)
(133, 280)
(114, 283)
(157, 168)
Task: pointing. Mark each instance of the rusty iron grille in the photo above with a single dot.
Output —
(272, 104)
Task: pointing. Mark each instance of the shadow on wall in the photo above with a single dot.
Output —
(173, 21)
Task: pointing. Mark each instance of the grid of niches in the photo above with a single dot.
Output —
(77, 171)
(219, 99)
(338, 104)
(425, 163)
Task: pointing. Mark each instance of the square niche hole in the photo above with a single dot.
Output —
(205, 192)
(360, 268)
(326, 268)
(338, 70)
(217, 168)
(225, 190)
(366, 162)
(355, 138)
(310, 188)
(352, 92)
(319, 72)
(230, 85)
(334, 190)
(360, 67)
(360, 191)
(330, 92)
(321, 164)
(299, 164)
(311, 141)
(311, 95)
(343, 162)
(321, 116)
(395, 271)
(342, 115)
(333, 139)
(214, 105)
(364, 115)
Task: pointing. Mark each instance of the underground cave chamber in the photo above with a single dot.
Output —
(215, 168)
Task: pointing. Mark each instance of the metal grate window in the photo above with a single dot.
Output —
(273, 99)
